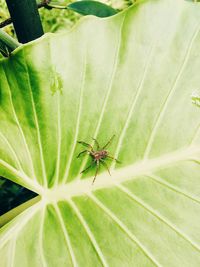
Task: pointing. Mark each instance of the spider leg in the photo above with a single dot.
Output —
(105, 165)
(85, 144)
(88, 167)
(84, 151)
(111, 157)
(109, 142)
(97, 143)
(97, 169)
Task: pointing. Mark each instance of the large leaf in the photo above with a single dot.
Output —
(131, 75)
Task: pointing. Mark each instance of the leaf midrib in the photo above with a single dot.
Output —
(118, 176)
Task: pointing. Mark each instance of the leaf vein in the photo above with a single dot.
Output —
(43, 261)
(134, 102)
(158, 216)
(169, 96)
(67, 239)
(12, 250)
(89, 233)
(123, 227)
(108, 92)
(29, 182)
(12, 151)
(37, 124)
(16, 228)
(19, 127)
(78, 121)
(159, 180)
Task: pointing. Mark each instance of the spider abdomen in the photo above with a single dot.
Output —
(100, 154)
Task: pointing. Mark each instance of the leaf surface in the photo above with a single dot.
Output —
(133, 76)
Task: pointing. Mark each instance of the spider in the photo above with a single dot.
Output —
(98, 156)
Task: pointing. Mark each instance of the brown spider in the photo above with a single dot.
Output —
(98, 156)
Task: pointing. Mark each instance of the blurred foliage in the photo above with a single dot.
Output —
(4, 15)
(54, 20)
(59, 19)
(12, 195)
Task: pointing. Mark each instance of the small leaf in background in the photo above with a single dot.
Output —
(92, 8)
(57, 4)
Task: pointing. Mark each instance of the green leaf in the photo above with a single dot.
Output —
(92, 8)
(133, 76)
(85, 8)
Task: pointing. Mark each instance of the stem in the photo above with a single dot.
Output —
(26, 19)
(44, 3)
(10, 42)
(5, 22)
